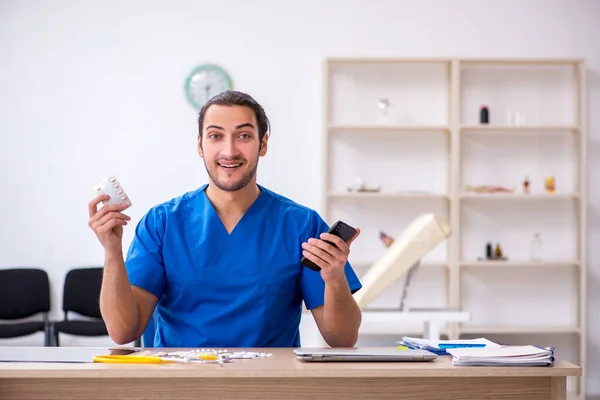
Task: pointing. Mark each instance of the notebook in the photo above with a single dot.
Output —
(363, 354)
(520, 356)
(441, 347)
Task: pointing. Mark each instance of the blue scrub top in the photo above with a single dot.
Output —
(219, 290)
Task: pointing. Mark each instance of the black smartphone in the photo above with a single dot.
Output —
(340, 229)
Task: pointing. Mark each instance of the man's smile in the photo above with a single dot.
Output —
(229, 166)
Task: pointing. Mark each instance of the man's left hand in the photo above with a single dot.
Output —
(331, 258)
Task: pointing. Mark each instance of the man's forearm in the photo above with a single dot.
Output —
(342, 315)
(117, 303)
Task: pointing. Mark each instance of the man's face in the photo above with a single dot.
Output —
(230, 146)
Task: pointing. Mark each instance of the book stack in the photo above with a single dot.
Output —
(441, 347)
(518, 356)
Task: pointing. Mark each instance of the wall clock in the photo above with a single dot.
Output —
(204, 82)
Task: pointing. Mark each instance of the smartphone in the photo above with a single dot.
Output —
(340, 229)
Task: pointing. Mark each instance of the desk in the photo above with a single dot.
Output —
(283, 377)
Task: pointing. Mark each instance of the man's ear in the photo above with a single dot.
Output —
(200, 152)
(264, 145)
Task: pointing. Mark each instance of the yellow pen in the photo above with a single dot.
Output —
(121, 359)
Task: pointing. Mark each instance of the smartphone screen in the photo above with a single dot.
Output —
(340, 229)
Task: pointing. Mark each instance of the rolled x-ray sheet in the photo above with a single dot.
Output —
(418, 239)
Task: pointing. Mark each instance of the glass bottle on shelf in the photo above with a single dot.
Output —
(383, 115)
(498, 252)
(550, 184)
(526, 185)
(536, 247)
(484, 115)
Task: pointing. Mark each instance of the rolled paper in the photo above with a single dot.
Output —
(422, 235)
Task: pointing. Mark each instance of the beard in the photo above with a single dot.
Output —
(231, 186)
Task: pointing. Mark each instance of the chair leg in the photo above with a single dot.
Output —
(48, 325)
(55, 337)
(48, 335)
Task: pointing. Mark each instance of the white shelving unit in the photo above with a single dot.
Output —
(425, 153)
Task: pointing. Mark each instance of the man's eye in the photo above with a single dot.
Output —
(245, 136)
(213, 136)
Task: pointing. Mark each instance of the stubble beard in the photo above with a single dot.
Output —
(231, 186)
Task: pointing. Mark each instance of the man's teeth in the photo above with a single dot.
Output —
(230, 166)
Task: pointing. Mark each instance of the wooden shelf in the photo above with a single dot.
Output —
(520, 196)
(463, 61)
(518, 264)
(380, 195)
(516, 329)
(521, 61)
(529, 129)
(387, 128)
(391, 60)
(446, 148)
(363, 266)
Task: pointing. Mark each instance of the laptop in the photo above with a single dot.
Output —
(363, 354)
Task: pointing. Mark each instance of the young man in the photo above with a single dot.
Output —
(221, 264)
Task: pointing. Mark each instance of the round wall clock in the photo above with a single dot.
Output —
(204, 82)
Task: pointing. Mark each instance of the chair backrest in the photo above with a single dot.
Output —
(81, 292)
(24, 292)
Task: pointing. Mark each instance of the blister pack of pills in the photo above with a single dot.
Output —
(204, 356)
(112, 187)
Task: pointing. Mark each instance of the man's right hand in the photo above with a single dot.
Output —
(107, 223)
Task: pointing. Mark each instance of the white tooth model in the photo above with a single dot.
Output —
(419, 238)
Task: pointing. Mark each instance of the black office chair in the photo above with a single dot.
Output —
(24, 293)
(81, 295)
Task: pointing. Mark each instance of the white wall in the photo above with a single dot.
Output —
(90, 88)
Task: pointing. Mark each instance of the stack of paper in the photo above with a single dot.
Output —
(442, 346)
(520, 356)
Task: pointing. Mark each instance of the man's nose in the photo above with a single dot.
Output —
(229, 149)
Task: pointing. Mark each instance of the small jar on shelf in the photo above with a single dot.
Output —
(550, 184)
(536, 247)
